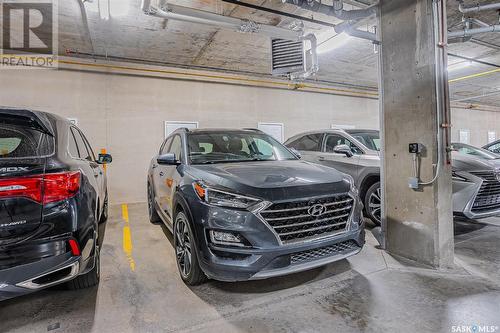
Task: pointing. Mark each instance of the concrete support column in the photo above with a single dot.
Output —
(415, 108)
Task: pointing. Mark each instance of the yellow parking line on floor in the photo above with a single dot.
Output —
(125, 212)
(127, 238)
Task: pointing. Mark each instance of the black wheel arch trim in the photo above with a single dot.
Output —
(180, 200)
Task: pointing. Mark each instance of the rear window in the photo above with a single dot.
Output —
(24, 142)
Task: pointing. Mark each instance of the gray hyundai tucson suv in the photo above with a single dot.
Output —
(241, 206)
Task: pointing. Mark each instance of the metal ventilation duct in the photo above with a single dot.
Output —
(294, 58)
(288, 56)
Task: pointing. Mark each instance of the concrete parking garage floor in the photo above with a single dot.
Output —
(141, 291)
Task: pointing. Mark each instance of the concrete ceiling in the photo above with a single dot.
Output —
(131, 34)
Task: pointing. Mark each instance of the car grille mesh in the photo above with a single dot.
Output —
(311, 255)
(292, 222)
(488, 197)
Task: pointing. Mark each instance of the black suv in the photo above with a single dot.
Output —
(242, 206)
(53, 204)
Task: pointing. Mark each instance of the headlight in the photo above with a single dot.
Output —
(222, 198)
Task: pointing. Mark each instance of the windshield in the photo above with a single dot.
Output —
(225, 147)
(465, 149)
(371, 139)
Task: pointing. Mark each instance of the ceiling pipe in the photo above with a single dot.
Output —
(475, 9)
(349, 29)
(337, 9)
(85, 21)
(464, 33)
(185, 14)
(314, 68)
(479, 22)
(278, 12)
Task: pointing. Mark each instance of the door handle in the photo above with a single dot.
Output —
(96, 175)
(321, 158)
(155, 166)
(162, 174)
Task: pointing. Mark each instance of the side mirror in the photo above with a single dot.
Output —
(343, 149)
(296, 152)
(104, 159)
(167, 159)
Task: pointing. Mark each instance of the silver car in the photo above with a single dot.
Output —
(476, 171)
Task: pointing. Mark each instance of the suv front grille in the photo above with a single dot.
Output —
(327, 251)
(488, 197)
(293, 222)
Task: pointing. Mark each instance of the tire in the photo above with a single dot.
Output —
(373, 203)
(89, 279)
(154, 218)
(186, 252)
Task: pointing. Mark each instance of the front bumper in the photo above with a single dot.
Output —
(231, 264)
(465, 194)
(266, 256)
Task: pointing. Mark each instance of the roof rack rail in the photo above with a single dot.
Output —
(253, 129)
(185, 129)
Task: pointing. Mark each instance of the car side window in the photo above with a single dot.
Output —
(310, 142)
(89, 147)
(334, 140)
(495, 148)
(165, 146)
(72, 146)
(176, 147)
(82, 148)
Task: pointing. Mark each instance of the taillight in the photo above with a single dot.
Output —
(51, 187)
(28, 187)
(60, 186)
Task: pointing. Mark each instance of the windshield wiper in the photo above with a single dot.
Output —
(220, 161)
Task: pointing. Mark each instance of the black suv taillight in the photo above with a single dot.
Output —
(51, 187)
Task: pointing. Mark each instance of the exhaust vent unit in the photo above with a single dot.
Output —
(288, 57)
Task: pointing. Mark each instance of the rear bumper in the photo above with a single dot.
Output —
(24, 279)
(38, 264)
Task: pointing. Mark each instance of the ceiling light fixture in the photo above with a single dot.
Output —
(459, 65)
(330, 40)
(104, 10)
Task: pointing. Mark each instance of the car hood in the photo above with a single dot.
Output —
(461, 162)
(274, 180)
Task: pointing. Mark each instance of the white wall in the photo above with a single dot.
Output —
(125, 114)
(477, 122)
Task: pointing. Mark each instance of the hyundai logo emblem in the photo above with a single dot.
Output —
(316, 210)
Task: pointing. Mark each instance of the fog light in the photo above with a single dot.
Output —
(226, 238)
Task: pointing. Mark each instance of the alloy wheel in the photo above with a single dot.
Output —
(375, 204)
(183, 248)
